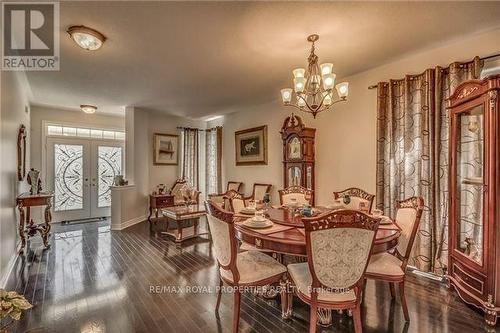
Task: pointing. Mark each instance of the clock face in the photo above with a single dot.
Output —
(294, 148)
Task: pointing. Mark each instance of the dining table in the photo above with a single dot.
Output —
(286, 236)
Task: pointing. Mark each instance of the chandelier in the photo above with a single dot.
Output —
(314, 89)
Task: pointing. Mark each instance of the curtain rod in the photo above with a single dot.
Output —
(374, 86)
(198, 129)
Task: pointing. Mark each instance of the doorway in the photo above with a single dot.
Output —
(80, 173)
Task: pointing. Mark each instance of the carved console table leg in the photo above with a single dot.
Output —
(21, 228)
(45, 230)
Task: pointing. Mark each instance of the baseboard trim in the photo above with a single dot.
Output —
(129, 223)
(10, 267)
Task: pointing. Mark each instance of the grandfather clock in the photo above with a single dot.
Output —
(298, 153)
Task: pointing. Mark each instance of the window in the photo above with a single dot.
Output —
(82, 132)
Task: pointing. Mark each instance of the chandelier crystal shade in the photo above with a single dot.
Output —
(313, 90)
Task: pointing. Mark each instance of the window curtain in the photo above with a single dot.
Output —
(190, 159)
(213, 153)
(412, 153)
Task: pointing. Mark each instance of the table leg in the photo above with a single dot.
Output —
(45, 231)
(21, 229)
(195, 227)
(178, 239)
(324, 317)
(150, 214)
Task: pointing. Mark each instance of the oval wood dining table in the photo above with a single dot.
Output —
(287, 235)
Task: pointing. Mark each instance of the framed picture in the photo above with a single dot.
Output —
(165, 149)
(251, 146)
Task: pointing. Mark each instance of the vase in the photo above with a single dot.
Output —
(33, 180)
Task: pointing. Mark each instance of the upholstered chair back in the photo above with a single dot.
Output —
(302, 195)
(339, 247)
(237, 205)
(357, 196)
(408, 215)
(217, 199)
(223, 237)
(259, 190)
(176, 190)
(235, 186)
(230, 195)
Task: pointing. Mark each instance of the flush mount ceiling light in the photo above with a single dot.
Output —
(314, 88)
(86, 38)
(88, 108)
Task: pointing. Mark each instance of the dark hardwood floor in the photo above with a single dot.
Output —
(96, 280)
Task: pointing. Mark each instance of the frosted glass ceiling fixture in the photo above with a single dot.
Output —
(85, 37)
(313, 90)
(88, 108)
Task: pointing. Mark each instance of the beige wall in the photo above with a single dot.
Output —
(14, 103)
(346, 136)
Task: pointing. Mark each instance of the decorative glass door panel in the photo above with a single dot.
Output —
(80, 173)
(109, 165)
(294, 176)
(470, 183)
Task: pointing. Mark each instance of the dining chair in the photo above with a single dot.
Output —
(230, 195)
(356, 196)
(338, 246)
(244, 269)
(391, 267)
(234, 186)
(302, 195)
(259, 190)
(237, 204)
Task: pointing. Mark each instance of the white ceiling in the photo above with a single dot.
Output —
(197, 59)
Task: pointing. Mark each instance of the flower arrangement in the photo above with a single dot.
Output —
(12, 305)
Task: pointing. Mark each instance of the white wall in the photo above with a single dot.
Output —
(14, 103)
(346, 136)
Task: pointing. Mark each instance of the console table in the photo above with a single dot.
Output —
(27, 227)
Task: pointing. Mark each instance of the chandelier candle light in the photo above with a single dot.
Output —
(314, 89)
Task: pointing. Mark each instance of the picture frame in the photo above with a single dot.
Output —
(165, 149)
(251, 146)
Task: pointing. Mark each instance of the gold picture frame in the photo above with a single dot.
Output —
(165, 149)
(251, 146)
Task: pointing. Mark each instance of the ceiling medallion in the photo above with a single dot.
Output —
(314, 88)
(85, 37)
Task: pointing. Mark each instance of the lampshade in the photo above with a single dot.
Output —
(328, 81)
(299, 84)
(86, 38)
(286, 95)
(326, 68)
(298, 72)
(328, 98)
(301, 102)
(342, 89)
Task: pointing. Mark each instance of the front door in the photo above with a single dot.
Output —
(80, 173)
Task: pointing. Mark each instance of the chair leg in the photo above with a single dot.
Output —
(391, 287)
(403, 300)
(236, 310)
(356, 317)
(313, 317)
(219, 293)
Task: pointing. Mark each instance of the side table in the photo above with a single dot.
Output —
(27, 227)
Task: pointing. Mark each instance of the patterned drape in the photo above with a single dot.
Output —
(213, 153)
(190, 167)
(412, 152)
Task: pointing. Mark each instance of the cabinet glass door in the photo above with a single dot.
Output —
(470, 183)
